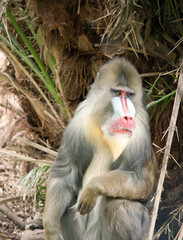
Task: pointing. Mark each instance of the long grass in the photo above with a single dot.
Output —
(35, 181)
(31, 57)
(156, 93)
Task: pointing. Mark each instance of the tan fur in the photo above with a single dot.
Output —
(116, 144)
(109, 148)
(99, 165)
(94, 132)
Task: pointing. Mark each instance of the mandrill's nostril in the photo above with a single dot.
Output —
(127, 121)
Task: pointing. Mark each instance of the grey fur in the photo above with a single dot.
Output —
(111, 218)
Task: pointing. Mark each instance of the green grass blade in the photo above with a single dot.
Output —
(18, 49)
(164, 107)
(152, 112)
(30, 47)
(152, 86)
(39, 39)
(47, 81)
(36, 36)
(161, 99)
(21, 53)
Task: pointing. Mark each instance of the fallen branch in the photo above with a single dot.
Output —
(14, 218)
(178, 96)
(9, 199)
(6, 237)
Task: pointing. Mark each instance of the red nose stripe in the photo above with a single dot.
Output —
(126, 121)
(124, 103)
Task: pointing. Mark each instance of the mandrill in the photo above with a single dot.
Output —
(101, 184)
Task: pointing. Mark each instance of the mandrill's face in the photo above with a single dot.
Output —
(122, 120)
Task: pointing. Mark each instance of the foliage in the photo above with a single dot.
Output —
(35, 181)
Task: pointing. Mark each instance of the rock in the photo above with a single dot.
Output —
(35, 224)
(37, 234)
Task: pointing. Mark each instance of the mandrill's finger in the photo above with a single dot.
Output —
(86, 209)
(83, 209)
(79, 207)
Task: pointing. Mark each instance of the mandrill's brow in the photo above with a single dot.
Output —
(122, 89)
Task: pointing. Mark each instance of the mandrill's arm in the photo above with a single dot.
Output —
(123, 184)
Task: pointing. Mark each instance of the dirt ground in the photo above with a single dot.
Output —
(9, 176)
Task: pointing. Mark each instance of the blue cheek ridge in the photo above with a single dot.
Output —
(118, 109)
(131, 108)
(117, 106)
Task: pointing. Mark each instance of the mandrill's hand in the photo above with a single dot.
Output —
(87, 200)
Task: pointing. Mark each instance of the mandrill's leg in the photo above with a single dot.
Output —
(126, 219)
(58, 198)
(69, 226)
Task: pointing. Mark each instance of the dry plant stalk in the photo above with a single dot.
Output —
(20, 157)
(38, 146)
(178, 96)
(17, 63)
(181, 233)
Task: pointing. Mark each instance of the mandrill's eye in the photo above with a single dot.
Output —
(115, 93)
(129, 95)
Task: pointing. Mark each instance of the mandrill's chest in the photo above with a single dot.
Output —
(115, 143)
